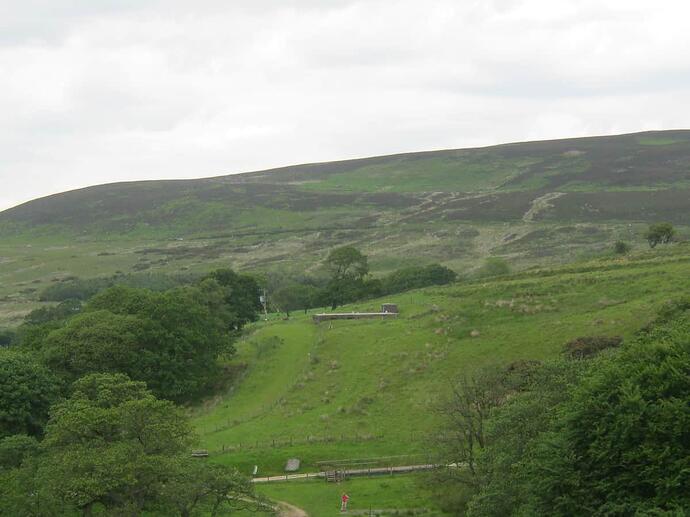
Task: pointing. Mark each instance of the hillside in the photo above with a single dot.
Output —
(368, 388)
(362, 390)
(533, 203)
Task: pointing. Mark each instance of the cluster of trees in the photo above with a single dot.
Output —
(348, 280)
(113, 447)
(169, 339)
(608, 435)
(88, 421)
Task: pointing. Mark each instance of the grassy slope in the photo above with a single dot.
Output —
(455, 207)
(365, 389)
(321, 499)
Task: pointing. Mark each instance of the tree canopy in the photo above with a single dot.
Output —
(113, 447)
(27, 389)
(609, 435)
(660, 233)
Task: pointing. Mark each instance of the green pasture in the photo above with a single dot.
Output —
(368, 388)
(384, 495)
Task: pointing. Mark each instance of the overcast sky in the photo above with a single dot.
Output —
(96, 91)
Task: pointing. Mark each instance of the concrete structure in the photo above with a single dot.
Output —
(353, 316)
(389, 307)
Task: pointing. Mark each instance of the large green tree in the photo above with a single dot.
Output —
(113, 448)
(27, 389)
(348, 268)
(170, 340)
(621, 445)
(608, 435)
(241, 295)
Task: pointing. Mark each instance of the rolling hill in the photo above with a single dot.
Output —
(368, 391)
(532, 203)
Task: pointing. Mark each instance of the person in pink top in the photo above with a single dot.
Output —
(343, 502)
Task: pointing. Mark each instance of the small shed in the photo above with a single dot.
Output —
(390, 308)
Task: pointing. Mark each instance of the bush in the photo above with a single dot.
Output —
(27, 389)
(621, 248)
(7, 337)
(660, 233)
(417, 276)
(584, 347)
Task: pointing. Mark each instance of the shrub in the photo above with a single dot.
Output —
(621, 248)
(660, 233)
(584, 347)
(416, 277)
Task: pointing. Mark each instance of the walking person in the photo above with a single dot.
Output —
(343, 502)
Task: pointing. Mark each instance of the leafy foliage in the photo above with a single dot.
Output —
(74, 288)
(27, 389)
(584, 347)
(348, 268)
(15, 448)
(608, 436)
(241, 296)
(55, 313)
(170, 339)
(660, 233)
(416, 277)
(113, 447)
(621, 248)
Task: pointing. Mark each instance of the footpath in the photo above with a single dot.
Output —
(375, 471)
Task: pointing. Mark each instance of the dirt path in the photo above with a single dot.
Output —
(540, 204)
(289, 510)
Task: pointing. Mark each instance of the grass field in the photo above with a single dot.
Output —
(367, 389)
(401, 495)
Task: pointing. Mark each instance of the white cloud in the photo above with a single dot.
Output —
(105, 91)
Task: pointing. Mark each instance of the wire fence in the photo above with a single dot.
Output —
(292, 441)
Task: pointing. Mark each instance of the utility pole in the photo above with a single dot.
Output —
(264, 301)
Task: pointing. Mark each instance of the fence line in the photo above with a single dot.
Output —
(293, 441)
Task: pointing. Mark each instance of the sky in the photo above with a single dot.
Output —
(98, 91)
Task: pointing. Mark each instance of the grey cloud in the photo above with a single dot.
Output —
(105, 91)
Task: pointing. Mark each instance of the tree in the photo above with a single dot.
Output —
(462, 436)
(605, 436)
(15, 448)
(199, 488)
(348, 267)
(59, 312)
(293, 296)
(27, 389)
(660, 233)
(7, 337)
(622, 443)
(621, 248)
(97, 341)
(113, 448)
(241, 296)
(417, 276)
(170, 340)
(511, 431)
(347, 263)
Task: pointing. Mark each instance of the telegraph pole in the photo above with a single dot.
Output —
(264, 301)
